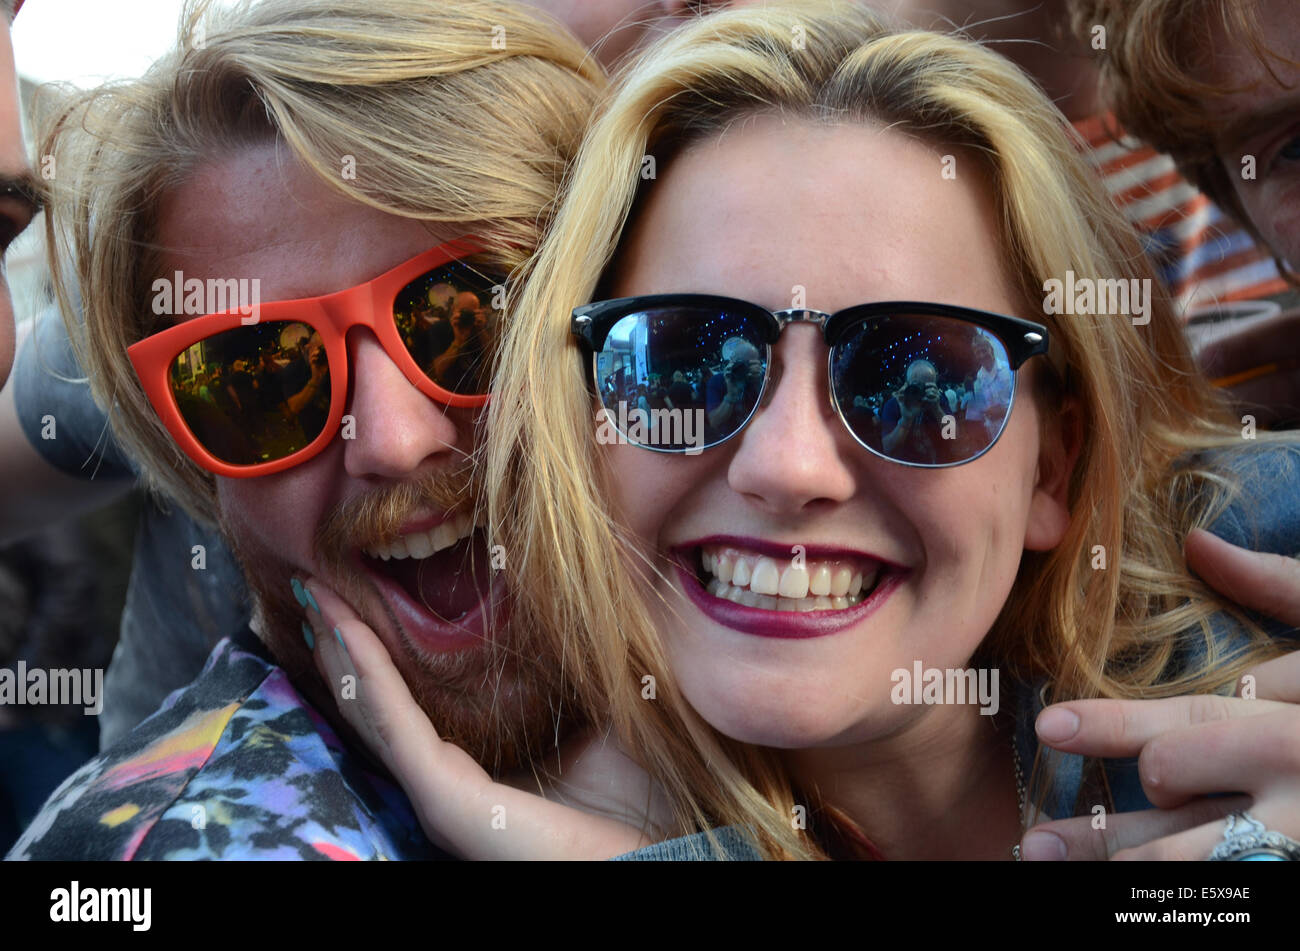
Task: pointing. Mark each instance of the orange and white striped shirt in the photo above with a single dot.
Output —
(1202, 254)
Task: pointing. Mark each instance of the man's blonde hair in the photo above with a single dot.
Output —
(449, 112)
(1143, 403)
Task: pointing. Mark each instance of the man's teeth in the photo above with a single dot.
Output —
(424, 544)
(758, 581)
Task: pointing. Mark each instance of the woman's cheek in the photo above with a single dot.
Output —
(646, 489)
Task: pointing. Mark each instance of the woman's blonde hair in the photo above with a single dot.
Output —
(464, 112)
(1142, 403)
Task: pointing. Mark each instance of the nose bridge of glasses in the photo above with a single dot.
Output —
(801, 316)
(354, 307)
(361, 308)
(775, 362)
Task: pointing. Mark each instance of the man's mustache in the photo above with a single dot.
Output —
(375, 518)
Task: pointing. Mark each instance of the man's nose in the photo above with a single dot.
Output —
(794, 452)
(398, 432)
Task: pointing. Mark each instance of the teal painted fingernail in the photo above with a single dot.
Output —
(339, 637)
(306, 635)
(299, 592)
(311, 602)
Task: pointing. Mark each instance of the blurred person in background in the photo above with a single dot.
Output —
(1216, 84)
(1206, 253)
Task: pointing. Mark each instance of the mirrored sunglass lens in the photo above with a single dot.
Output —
(254, 394)
(449, 320)
(923, 389)
(680, 378)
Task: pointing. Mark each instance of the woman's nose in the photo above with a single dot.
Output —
(794, 452)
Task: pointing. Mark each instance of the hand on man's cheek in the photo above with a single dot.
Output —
(271, 523)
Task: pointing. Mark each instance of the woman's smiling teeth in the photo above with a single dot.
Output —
(424, 544)
(758, 581)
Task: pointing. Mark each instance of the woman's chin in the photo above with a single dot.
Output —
(780, 727)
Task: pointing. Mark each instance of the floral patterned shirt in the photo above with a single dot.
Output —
(238, 765)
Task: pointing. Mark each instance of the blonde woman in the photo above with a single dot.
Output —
(760, 597)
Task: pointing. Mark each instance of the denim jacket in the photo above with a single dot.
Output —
(1264, 516)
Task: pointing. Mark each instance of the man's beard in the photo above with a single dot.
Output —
(505, 703)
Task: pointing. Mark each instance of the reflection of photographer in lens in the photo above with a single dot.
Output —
(431, 331)
(460, 361)
(733, 391)
(911, 418)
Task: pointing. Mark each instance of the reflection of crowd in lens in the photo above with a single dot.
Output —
(266, 393)
(447, 331)
(709, 377)
(932, 411)
(688, 391)
(684, 391)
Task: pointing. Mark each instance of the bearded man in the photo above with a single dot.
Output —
(299, 169)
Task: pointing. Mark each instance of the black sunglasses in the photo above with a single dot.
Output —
(916, 383)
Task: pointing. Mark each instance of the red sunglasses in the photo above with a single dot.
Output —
(252, 397)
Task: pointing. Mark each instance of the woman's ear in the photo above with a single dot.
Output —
(1061, 441)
